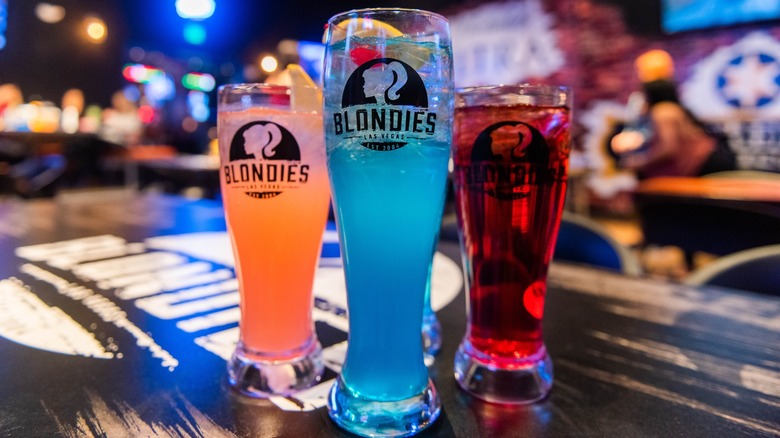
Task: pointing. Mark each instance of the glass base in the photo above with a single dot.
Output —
(371, 418)
(266, 378)
(431, 337)
(522, 383)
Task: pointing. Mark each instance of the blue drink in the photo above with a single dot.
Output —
(431, 329)
(388, 212)
(388, 126)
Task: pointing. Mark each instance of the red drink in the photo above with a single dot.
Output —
(511, 160)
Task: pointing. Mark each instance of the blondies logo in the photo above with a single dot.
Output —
(507, 158)
(265, 160)
(384, 105)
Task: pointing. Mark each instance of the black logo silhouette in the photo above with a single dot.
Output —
(385, 81)
(268, 161)
(385, 104)
(512, 142)
(264, 141)
(508, 157)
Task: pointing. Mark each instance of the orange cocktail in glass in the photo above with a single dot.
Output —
(275, 193)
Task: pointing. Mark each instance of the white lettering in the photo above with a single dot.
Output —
(165, 306)
(44, 252)
(26, 319)
(216, 319)
(105, 309)
(504, 43)
(123, 266)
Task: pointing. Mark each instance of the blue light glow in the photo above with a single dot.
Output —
(198, 103)
(195, 9)
(160, 88)
(311, 55)
(3, 21)
(194, 34)
(132, 93)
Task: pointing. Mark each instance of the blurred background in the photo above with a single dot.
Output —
(123, 93)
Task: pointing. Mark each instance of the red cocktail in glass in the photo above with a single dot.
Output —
(511, 152)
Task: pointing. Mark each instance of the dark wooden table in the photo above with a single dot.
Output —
(121, 335)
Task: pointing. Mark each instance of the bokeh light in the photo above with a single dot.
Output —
(195, 9)
(188, 124)
(198, 104)
(227, 69)
(160, 88)
(3, 21)
(194, 34)
(269, 64)
(96, 29)
(139, 73)
(132, 93)
(49, 13)
(146, 114)
(137, 54)
(198, 81)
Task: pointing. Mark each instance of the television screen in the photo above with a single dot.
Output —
(680, 15)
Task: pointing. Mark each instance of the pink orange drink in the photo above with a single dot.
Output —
(275, 192)
(511, 154)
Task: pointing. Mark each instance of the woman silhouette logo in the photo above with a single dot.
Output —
(511, 142)
(377, 78)
(508, 147)
(385, 81)
(264, 141)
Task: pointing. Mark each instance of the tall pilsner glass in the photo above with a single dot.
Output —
(388, 113)
(511, 156)
(275, 192)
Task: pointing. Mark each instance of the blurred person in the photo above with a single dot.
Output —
(10, 98)
(665, 138)
(72, 107)
(654, 65)
(121, 124)
(92, 119)
(11, 152)
(73, 97)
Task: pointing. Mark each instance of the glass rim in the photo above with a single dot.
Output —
(504, 88)
(249, 87)
(528, 94)
(365, 11)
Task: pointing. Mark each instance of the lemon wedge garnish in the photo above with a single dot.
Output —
(361, 27)
(304, 93)
(415, 56)
(299, 77)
